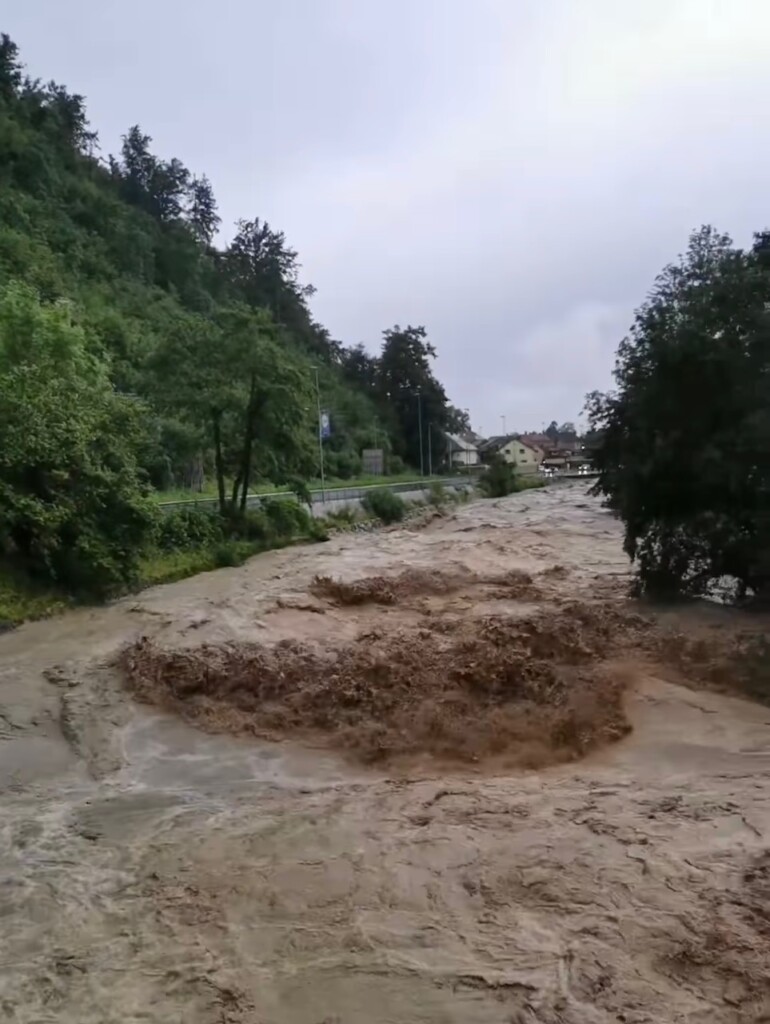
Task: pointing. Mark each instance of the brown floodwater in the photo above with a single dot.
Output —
(155, 871)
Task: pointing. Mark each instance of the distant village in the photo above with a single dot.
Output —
(548, 453)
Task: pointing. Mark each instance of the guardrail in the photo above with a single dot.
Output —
(338, 495)
(320, 497)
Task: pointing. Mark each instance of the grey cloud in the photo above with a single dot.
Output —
(512, 175)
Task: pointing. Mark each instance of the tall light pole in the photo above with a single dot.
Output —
(430, 454)
(419, 424)
(502, 420)
(320, 433)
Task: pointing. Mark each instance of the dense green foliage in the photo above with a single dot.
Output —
(385, 505)
(73, 506)
(684, 456)
(409, 398)
(498, 479)
(192, 540)
(189, 528)
(135, 354)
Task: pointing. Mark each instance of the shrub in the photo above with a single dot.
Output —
(437, 495)
(287, 518)
(228, 553)
(345, 516)
(531, 482)
(22, 599)
(317, 530)
(75, 509)
(396, 465)
(300, 489)
(253, 525)
(384, 504)
(344, 465)
(498, 479)
(187, 528)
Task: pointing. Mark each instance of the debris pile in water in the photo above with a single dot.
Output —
(532, 690)
(416, 582)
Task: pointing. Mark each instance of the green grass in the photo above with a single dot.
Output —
(332, 484)
(170, 566)
(22, 600)
(528, 483)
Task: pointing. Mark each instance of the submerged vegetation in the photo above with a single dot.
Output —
(500, 479)
(385, 505)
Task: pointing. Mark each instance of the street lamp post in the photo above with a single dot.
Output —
(320, 434)
(419, 425)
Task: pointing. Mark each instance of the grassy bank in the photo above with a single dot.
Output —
(190, 541)
(22, 600)
(171, 566)
(528, 483)
(186, 541)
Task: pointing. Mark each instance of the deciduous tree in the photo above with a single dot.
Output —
(684, 455)
(74, 508)
(253, 395)
(409, 390)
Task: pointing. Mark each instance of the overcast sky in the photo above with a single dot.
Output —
(510, 173)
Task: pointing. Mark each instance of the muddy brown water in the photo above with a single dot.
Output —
(150, 872)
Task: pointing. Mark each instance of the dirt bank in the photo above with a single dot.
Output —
(155, 872)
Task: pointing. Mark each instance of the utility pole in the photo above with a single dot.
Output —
(320, 434)
(430, 454)
(419, 423)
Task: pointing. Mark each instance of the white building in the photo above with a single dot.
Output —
(462, 452)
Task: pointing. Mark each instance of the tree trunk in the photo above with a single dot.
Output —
(218, 462)
(246, 473)
(247, 444)
(234, 495)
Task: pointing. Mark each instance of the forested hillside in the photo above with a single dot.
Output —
(137, 354)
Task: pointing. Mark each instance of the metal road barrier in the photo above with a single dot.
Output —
(330, 498)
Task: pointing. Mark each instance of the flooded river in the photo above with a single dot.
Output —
(154, 872)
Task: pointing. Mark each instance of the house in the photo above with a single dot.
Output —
(514, 450)
(566, 458)
(463, 450)
(541, 441)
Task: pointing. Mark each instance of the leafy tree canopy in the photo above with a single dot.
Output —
(684, 442)
(74, 507)
(408, 388)
(145, 353)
